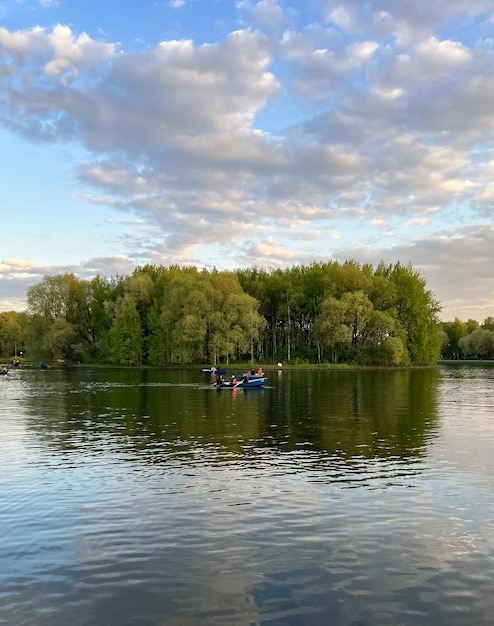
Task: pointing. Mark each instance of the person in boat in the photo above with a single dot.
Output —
(260, 372)
(245, 377)
(234, 380)
(4, 371)
(219, 379)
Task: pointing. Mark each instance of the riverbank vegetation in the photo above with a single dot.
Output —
(468, 340)
(322, 313)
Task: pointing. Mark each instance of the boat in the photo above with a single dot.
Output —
(214, 370)
(243, 383)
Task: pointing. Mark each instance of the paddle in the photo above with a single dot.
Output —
(242, 380)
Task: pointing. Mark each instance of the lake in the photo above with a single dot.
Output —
(329, 497)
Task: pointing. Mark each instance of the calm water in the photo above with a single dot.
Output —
(150, 498)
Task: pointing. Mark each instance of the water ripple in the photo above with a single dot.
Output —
(140, 501)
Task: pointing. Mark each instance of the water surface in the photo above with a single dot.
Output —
(150, 498)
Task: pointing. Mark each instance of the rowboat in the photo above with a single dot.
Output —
(214, 370)
(249, 383)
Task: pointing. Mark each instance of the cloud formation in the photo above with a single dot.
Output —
(358, 131)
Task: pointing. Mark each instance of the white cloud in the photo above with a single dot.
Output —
(416, 222)
(252, 144)
(271, 249)
(456, 262)
(16, 265)
(268, 14)
(405, 21)
(343, 17)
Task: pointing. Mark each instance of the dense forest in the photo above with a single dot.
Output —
(322, 313)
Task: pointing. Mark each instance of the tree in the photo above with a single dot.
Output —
(454, 332)
(206, 318)
(391, 352)
(104, 294)
(125, 338)
(479, 344)
(10, 333)
(63, 296)
(242, 324)
(331, 326)
(354, 277)
(186, 315)
(488, 323)
(156, 339)
(384, 343)
(358, 309)
(416, 311)
(60, 340)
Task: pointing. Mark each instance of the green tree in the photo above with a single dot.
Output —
(156, 338)
(206, 318)
(383, 342)
(63, 296)
(60, 340)
(454, 332)
(416, 311)
(488, 323)
(358, 310)
(479, 343)
(104, 294)
(331, 327)
(125, 337)
(383, 316)
(10, 333)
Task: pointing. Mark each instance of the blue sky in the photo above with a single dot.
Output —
(229, 134)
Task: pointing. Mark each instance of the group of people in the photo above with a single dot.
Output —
(245, 377)
(14, 363)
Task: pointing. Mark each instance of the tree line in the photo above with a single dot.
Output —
(325, 312)
(468, 340)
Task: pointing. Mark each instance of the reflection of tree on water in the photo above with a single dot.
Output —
(159, 415)
(359, 413)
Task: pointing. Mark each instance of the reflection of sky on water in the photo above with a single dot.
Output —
(14, 440)
(208, 509)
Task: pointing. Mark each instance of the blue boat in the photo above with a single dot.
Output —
(214, 370)
(243, 383)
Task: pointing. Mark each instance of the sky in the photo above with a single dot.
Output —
(230, 134)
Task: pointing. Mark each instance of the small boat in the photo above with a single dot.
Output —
(214, 370)
(251, 382)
